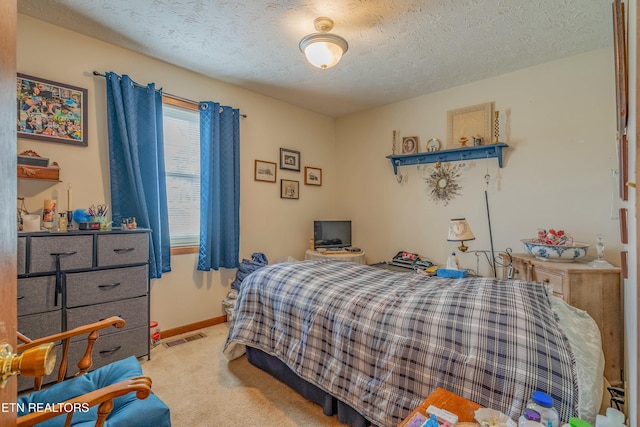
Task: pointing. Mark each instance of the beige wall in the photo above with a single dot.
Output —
(559, 122)
(275, 226)
(558, 119)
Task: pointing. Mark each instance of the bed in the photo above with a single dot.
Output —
(375, 342)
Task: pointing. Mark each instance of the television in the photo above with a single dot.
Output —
(332, 234)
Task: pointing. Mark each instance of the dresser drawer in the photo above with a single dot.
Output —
(37, 295)
(40, 325)
(549, 278)
(123, 249)
(94, 287)
(134, 311)
(22, 255)
(78, 252)
(110, 348)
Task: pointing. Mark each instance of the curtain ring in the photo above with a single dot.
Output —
(204, 106)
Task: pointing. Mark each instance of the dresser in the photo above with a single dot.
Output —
(66, 280)
(594, 290)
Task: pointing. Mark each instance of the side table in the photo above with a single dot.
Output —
(357, 257)
(598, 291)
(448, 401)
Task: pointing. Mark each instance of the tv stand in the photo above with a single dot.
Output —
(343, 255)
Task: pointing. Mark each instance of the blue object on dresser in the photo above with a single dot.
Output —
(449, 273)
(128, 410)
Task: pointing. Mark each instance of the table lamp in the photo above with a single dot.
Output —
(459, 231)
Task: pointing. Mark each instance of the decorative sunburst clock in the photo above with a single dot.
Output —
(442, 182)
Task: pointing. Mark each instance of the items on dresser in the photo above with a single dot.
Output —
(594, 290)
(31, 222)
(70, 279)
(48, 213)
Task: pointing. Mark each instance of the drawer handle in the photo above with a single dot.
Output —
(59, 274)
(109, 286)
(113, 350)
(20, 297)
(63, 253)
(545, 281)
(123, 250)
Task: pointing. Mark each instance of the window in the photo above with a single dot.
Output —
(182, 162)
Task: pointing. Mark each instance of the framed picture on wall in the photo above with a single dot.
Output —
(289, 189)
(265, 171)
(312, 176)
(464, 125)
(51, 111)
(622, 93)
(620, 61)
(289, 159)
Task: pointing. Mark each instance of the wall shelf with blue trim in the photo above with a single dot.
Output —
(452, 155)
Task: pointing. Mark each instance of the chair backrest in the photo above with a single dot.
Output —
(86, 362)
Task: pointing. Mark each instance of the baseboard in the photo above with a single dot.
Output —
(192, 327)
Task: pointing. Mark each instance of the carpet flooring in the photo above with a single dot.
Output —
(202, 388)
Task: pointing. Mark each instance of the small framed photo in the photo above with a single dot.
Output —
(289, 189)
(409, 145)
(265, 171)
(289, 159)
(312, 176)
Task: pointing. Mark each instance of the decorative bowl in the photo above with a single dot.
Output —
(561, 253)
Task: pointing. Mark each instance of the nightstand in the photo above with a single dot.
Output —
(597, 291)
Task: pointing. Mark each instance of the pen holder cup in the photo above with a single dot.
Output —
(104, 224)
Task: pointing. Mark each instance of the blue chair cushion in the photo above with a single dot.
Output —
(127, 410)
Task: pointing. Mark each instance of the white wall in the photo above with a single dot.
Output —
(559, 122)
(275, 226)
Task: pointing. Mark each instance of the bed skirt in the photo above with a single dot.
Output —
(330, 405)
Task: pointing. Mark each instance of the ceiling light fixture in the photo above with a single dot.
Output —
(323, 50)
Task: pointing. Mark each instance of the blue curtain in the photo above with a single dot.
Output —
(219, 186)
(136, 159)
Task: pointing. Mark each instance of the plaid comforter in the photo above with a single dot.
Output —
(381, 341)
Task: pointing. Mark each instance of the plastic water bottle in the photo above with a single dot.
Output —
(577, 422)
(452, 262)
(530, 418)
(542, 403)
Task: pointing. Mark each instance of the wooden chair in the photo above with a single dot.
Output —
(104, 395)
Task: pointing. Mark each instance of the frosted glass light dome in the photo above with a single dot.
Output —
(323, 50)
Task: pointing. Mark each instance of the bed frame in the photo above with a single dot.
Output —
(330, 405)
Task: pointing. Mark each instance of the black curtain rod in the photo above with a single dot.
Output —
(97, 73)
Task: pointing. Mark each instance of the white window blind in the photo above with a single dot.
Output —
(182, 163)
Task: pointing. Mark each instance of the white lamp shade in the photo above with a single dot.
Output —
(323, 50)
(459, 230)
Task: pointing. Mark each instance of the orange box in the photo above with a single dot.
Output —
(448, 401)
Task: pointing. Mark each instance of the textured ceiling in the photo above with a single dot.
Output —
(398, 49)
